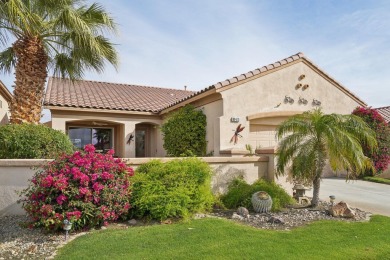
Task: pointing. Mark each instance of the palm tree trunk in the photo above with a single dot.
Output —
(30, 79)
(316, 191)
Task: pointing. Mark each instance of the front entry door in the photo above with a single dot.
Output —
(141, 142)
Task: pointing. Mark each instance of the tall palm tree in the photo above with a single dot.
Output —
(63, 36)
(308, 140)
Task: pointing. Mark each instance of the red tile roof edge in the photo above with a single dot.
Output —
(266, 68)
(5, 92)
(233, 80)
(384, 112)
(50, 83)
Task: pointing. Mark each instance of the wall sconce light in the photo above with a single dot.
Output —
(288, 100)
(316, 102)
(305, 86)
(301, 77)
(234, 119)
(298, 86)
(302, 101)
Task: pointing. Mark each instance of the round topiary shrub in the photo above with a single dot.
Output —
(27, 141)
(185, 133)
(87, 188)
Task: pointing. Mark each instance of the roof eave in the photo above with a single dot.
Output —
(196, 96)
(5, 92)
(82, 109)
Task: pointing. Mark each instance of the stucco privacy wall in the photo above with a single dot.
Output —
(267, 92)
(126, 125)
(14, 175)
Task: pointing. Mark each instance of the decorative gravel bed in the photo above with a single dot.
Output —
(23, 243)
(17, 242)
(290, 218)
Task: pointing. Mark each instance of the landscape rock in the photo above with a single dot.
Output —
(199, 215)
(242, 211)
(132, 222)
(276, 220)
(342, 209)
(236, 216)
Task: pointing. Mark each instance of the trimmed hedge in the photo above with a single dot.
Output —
(185, 133)
(28, 141)
(176, 189)
(240, 194)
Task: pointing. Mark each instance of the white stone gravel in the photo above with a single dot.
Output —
(17, 242)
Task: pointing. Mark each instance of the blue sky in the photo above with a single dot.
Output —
(198, 43)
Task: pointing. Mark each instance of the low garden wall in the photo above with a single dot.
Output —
(15, 173)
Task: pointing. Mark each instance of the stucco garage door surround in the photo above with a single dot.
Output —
(262, 127)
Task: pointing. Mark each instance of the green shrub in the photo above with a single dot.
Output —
(185, 133)
(28, 141)
(377, 179)
(240, 193)
(177, 188)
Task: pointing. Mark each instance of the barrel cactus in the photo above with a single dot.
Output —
(262, 202)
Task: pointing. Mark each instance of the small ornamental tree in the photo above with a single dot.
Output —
(87, 188)
(185, 133)
(381, 157)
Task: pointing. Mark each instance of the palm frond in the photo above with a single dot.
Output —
(7, 60)
(311, 138)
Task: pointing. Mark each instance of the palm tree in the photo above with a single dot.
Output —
(311, 139)
(63, 36)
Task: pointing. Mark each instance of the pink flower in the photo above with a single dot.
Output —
(61, 184)
(89, 148)
(94, 177)
(76, 214)
(107, 176)
(61, 199)
(47, 182)
(97, 187)
(83, 190)
(84, 179)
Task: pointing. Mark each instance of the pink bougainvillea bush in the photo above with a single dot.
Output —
(381, 157)
(87, 188)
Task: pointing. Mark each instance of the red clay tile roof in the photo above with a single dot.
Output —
(385, 113)
(5, 92)
(269, 67)
(103, 95)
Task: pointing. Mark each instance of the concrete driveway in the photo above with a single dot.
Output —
(368, 196)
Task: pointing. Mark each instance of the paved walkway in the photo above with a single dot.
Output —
(368, 196)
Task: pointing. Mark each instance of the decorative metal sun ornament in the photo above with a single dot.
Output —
(236, 134)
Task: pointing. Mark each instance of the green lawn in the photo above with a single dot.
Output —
(377, 179)
(224, 239)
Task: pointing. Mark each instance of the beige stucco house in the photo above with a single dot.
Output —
(5, 100)
(128, 117)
